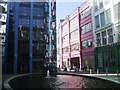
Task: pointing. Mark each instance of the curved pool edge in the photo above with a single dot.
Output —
(90, 76)
(7, 86)
(6, 82)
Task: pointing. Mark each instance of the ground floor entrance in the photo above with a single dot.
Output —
(68, 64)
(88, 62)
(108, 58)
(75, 62)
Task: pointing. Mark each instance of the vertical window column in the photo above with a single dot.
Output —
(102, 19)
(104, 38)
(97, 23)
(31, 38)
(98, 39)
(16, 38)
(110, 35)
(108, 16)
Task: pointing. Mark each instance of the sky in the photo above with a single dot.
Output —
(64, 8)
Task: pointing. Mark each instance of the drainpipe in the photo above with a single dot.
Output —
(80, 42)
(61, 45)
(69, 41)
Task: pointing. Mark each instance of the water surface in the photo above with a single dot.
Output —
(60, 82)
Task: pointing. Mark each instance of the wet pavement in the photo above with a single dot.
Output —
(114, 77)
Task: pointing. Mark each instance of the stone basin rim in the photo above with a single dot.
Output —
(6, 82)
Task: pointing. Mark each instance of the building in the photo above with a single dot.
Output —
(59, 52)
(87, 37)
(106, 26)
(76, 37)
(3, 11)
(27, 36)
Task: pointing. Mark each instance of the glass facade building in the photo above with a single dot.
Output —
(27, 36)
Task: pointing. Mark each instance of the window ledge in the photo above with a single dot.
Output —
(103, 27)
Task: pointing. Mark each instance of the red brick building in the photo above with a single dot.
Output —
(76, 39)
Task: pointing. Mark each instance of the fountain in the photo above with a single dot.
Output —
(59, 82)
(48, 74)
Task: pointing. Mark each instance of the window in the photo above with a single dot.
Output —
(75, 47)
(83, 44)
(86, 28)
(106, 2)
(110, 36)
(98, 39)
(95, 6)
(65, 39)
(100, 3)
(74, 34)
(83, 29)
(102, 19)
(108, 16)
(66, 50)
(89, 43)
(112, 58)
(97, 21)
(119, 54)
(65, 27)
(100, 60)
(117, 11)
(118, 30)
(104, 38)
(73, 21)
(85, 13)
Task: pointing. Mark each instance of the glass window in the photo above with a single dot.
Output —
(110, 36)
(83, 44)
(100, 3)
(73, 21)
(98, 39)
(66, 50)
(102, 19)
(118, 30)
(85, 13)
(89, 43)
(95, 6)
(106, 59)
(119, 54)
(82, 15)
(88, 27)
(111, 58)
(65, 39)
(83, 29)
(104, 38)
(65, 27)
(75, 47)
(74, 34)
(100, 60)
(97, 21)
(117, 11)
(108, 16)
(106, 2)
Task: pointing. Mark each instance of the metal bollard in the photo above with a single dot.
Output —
(90, 71)
(117, 72)
(97, 71)
(106, 71)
